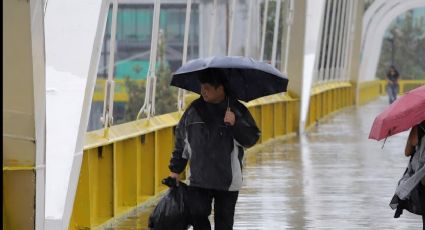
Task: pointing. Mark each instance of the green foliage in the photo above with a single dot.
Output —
(166, 95)
(136, 96)
(407, 44)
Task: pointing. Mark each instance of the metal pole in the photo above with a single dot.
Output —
(352, 31)
(248, 30)
(318, 49)
(108, 103)
(336, 41)
(212, 35)
(340, 52)
(324, 41)
(263, 34)
(347, 39)
(232, 22)
(181, 93)
(289, 21)
(147, 106)
(275, 32)
(330, 43)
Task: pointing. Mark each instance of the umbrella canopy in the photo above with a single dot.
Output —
(404, 113)
(247, 79)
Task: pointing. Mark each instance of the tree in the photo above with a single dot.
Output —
(136, 96)
(166, 96)
(407, 43)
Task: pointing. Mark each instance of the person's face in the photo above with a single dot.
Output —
(212, 94)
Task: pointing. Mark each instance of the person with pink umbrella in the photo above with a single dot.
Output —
(410, 192)
(407, 112)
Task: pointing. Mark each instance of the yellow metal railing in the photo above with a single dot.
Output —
(405, 85)
(328, 97)
(125, 170)
(370, 90)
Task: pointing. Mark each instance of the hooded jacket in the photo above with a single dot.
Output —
(408, 194)
(213, 149)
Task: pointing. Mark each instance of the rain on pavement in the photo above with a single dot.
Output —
(334, 177)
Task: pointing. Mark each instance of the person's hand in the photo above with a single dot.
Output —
(412, 141)
(413, 137)
(229, 117)
(175, 176)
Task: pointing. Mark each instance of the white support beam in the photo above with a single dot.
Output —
(81, 39)
(345, 40)
(248, 30)
(315, 9)
(264, 26)
(335, 54)
(181, 92)
(108, 100)
(289, 22)
(24, 115)
(316, 67)
(231, 27)
(149, 105)
(354, 24)
(324, 49)
(348, 39)
(275, 32)
(330, 43)
(212, 28)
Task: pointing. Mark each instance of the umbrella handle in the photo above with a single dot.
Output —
(228, 107)
(227, 110)
(384, 143)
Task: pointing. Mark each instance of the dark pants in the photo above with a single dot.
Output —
(392, 91)
(200, 200)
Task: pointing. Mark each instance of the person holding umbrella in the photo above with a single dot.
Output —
(405, 113)
(410, 192)
(212, 133)
(215, 129)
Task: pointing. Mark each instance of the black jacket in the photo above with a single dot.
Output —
(213, 149)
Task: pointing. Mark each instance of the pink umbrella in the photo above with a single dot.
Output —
(404, 113)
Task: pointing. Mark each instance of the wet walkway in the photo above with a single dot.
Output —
(332, 178)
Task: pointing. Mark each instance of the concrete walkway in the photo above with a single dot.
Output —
(334, 177)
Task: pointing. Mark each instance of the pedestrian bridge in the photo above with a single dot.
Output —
(66, 65)
(333, 177)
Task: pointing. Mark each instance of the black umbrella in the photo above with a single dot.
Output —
(247, 79)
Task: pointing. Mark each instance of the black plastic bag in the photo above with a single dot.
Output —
(172, 210)
(414, 204)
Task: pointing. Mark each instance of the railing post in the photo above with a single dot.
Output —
(108, 103)
(182, 92)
